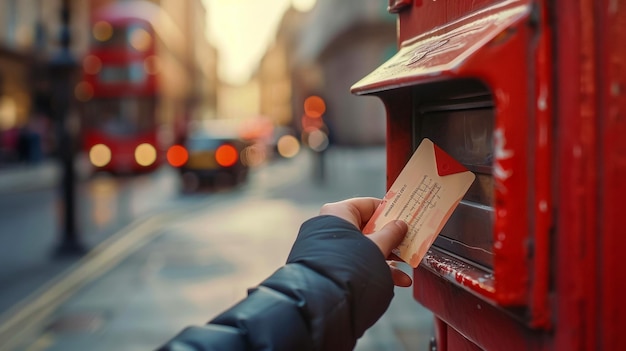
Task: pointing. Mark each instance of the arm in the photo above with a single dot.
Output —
(335, 285)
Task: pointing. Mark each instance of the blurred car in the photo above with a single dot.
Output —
(207, 159)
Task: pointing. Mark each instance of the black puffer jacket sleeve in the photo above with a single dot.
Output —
(334, 286)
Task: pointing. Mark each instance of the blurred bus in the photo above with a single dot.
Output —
(129, 117)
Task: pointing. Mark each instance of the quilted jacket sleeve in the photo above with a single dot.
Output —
(334, 286)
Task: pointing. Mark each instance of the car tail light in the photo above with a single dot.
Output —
(226, 155)
(177, 156)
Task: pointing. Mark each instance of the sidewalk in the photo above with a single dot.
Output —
(37, 175)
(184, 266)
(21, 177)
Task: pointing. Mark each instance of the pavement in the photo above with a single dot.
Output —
(157, 275)
(23, 176)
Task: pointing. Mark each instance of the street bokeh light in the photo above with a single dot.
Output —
(145, 154)
(102, 31)
(177, 155)
(288, 146)
(226, 155)
(314, 106)
(317, 140)
(100, 155)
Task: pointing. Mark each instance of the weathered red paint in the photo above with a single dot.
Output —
(557, 73)
(612, 158)
(591, 280)
(480, 46)
(462, 273)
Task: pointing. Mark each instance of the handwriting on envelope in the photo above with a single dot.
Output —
(424, 195)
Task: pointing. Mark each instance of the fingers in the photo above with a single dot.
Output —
(390, 236)
(356, 210)
(399, 278)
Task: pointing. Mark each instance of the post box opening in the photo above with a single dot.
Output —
(458, 115)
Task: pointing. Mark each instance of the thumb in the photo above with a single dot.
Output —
(390, 236)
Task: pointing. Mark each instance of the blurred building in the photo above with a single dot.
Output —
(341, 43)
(323, 52)
(274, 73)
(29, 33)
(195, 54)
(29, 36)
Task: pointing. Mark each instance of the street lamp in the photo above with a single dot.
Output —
(62, 69)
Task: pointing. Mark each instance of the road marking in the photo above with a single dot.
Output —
(25, 318)
(42, 343)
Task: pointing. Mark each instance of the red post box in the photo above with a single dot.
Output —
(529, 95)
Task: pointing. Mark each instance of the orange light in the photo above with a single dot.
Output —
(102, 31)
(314, 106)
(311, 122)
(177, 156)
(226, 155)
(140, 39)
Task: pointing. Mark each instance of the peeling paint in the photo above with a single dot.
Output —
(542, 105)
(461, 273)
(502, 98)
(542, 100)
(501, 153)
(577, 151)
(613, 6)
(543, 206)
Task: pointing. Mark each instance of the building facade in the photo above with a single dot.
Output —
(30, 32)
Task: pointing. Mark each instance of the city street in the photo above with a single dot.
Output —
(32, 229)
(163, 260)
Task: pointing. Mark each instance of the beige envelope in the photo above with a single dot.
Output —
(424, 195)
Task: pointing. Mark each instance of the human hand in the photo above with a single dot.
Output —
(358, 211)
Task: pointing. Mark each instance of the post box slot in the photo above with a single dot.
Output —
(459, 117)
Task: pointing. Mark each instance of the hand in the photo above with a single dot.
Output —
(358, 211)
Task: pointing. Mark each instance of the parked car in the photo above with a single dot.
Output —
(207, 159)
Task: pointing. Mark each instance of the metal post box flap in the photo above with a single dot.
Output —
(477, 86)
(443, 50)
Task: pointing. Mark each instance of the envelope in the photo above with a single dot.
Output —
(426, 192)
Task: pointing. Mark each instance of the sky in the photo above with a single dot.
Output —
(241, 30)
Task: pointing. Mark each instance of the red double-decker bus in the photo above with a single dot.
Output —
(128, 118)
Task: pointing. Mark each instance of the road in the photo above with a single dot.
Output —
(31, 228)
(172, 259)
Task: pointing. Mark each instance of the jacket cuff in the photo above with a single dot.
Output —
(336, 249)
